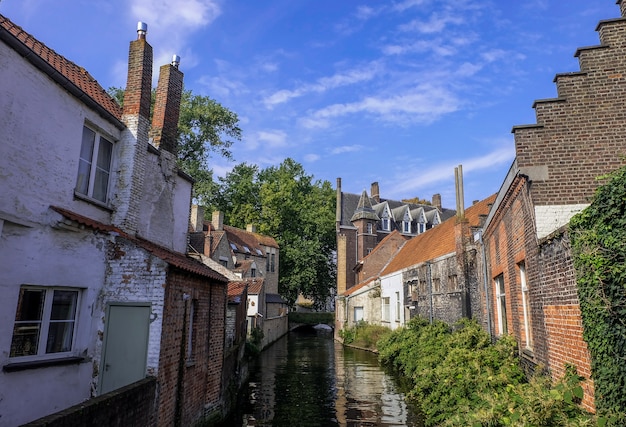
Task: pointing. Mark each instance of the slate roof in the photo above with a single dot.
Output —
(274, 299)
(437, 241)
(350, 203)
(173, 258)
(69, 75)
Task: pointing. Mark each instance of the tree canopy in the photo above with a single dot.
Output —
(205, 127)
(287, 204)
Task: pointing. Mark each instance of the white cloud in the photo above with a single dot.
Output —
(176, 15)
(312, 157)
(443, 171)
(407, 4)
(346, 149)
(423, 104)
(324, 84)
(273, 138)
(435, 24)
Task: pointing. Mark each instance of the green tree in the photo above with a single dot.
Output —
(205, 127)
(287, 204)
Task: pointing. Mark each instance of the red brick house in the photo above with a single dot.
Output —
(579, 135)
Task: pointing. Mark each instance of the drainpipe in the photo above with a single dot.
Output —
(485, 282)
(178, 408)
(430, 290)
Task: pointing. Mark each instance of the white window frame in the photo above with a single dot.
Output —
(525, 305)
(45, 322)
(386, 307)
(358, 314)
(90, 165)
(406, 226)
(501, 304)
(398, 306)
(421, 227)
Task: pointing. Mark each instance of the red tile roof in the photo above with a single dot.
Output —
(437, 241)
(76, 75)
(358, 286)
(173, 258)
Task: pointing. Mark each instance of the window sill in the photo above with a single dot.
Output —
(35, 364)
(91, 200)
(528, 352)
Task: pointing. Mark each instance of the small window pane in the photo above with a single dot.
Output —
(30, 304)
(64, 305)
(27, 322)
(60, 336)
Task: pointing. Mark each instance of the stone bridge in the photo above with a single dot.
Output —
(316, 320)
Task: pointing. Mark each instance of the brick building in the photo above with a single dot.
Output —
(97, 234)
(579, 135)
(363, 221)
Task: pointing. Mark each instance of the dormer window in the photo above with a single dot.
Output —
(421, 227)
(246, 249)
(386, 224)
(406, 226)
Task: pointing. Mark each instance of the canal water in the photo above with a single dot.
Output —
(308, 379)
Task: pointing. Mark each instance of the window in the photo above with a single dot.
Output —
(369, 250)
(386, 224)
(224, 261)
(398, 306)
(421, 227)
(267, 262)
(253, 272)
(94, 166)
(233, 247)
(358, 314)
(272, 263)
(369, 228)
(525, 304)
(44, 321)
(501, 304)
(406, 226)
(386, 315)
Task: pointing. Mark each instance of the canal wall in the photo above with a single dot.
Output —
(273, 329)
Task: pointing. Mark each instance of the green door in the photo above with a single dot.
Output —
(125, 347)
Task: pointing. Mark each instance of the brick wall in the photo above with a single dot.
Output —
(190, 380)
(132, 405)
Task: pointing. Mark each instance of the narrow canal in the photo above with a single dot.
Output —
(307, 379)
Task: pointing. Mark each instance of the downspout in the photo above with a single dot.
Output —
(430, 290)
(178, 409)
(486, 282)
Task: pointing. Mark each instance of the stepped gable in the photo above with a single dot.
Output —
(437, 241)
(69, 75)
(579, 134)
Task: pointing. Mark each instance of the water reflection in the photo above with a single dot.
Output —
(306, 379)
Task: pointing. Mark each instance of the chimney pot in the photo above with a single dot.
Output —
(175, 60)
(142, 29)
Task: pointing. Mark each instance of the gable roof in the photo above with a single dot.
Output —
(253, 241)
(173, 258)
(255, 285)
(70, 76)
(437, 241)
(359, 286)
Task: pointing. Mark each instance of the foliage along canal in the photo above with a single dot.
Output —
(308, 379)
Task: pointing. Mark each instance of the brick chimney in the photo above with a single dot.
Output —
(164, 132)
(436, 201)
(375, 192)
(622, 7)
(197, 218)
(251, 228)
(134, 140)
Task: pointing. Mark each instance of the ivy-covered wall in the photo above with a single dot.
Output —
(598, 236)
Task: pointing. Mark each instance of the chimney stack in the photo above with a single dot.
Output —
(218, 220)
(338, 206)
(139, 81)
(622, 7)
(197, 218)
(375, 192)
(436, 201)
(251, 228)
(164, 132)
(460, 198)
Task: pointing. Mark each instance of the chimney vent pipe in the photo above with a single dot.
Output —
(175, 60)
(142, 29)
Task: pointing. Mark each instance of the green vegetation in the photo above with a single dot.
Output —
(598, 236)
(364, 335)
(287, 204)
(254, 341)
(459, 378)
(312, 318)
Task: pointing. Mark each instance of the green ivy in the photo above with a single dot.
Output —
(598, 236)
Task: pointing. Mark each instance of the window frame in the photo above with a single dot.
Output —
(45, 322)
(93, 166)
(398, 306)
(386, 307)
(500, 293)
(525, 306)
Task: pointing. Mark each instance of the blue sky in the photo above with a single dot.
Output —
(399, 91)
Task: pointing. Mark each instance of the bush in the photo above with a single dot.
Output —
(459, 378)
(364, 335)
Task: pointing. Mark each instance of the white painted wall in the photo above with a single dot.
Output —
(551, 218)
(391, 286)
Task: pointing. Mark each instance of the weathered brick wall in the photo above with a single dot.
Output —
(561, 311)
(189, 381)
(350, 256)
(132, 405)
